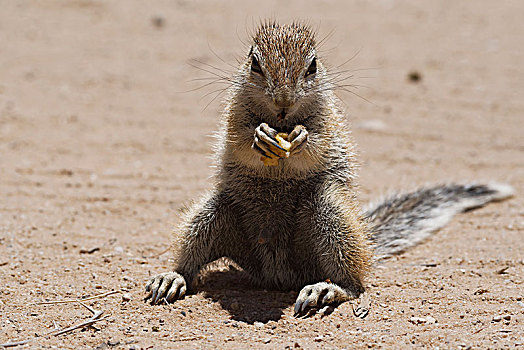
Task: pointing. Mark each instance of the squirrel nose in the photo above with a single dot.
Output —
(283, 97)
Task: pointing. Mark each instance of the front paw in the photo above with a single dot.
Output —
(266, 143)
(298, 138)
(168, 285)
(318, 295)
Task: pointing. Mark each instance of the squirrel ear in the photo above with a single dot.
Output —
(255, 66)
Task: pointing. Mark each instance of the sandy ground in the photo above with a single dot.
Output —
(100, 148)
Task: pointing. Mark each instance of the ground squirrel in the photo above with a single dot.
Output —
(295, 223)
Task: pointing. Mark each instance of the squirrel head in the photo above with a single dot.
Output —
(282, 71)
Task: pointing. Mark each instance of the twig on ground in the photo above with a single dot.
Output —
(77, 300)
(16, 343)
(97, 316)
(157, 255)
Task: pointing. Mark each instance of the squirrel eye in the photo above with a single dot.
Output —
(312, 67)
(255, 66)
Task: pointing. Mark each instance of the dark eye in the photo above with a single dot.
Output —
(255, 66)
(312, 69)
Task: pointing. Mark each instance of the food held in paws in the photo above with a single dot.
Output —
(282, 141)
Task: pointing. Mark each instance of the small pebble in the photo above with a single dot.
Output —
(414, 76)
(158, 21)
(267, 340)
(126, 297)
(499, 318)
(102, 346)
(89, 251)
(259, 324)
(417, 320)
(319, 338)
(420, 320)
(326, 310)
(430, 320)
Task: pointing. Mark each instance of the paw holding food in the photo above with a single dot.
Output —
(272, 145)
(282, 140)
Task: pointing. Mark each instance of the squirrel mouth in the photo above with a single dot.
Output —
(282, 114)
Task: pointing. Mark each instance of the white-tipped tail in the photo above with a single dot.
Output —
(502, 191)
(403, 220)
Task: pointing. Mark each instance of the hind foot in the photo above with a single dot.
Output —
(319, 295)
(168, 286)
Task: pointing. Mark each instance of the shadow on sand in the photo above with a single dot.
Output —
(245, 302)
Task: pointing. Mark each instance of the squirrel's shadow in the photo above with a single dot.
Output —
(245, 302)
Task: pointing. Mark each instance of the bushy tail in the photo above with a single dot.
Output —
(402, 221)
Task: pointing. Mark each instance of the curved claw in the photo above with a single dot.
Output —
(299, 307)
(177, 291)
(298, 138)
(168, 285)
(318, 296)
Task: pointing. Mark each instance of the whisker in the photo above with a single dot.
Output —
(220, 92)
(211, 92)
(220, 58)
(339, 79)
(217, 81)
(205, 78)
(333, 72)
(210, 72)
(208, 65)
(328, 36)
(355, 94)
(349, 60)
(353, 85)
